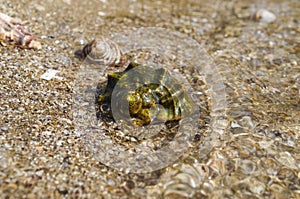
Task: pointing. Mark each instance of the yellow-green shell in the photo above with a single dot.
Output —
(146, 95)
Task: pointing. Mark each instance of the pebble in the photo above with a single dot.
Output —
(101, 14)
(4, 128)
(235, 125)
(60, 143)
(47, 133)
(110, 182)
(265, 16)
(49, 74)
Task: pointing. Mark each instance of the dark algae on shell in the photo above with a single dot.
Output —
(147, 95)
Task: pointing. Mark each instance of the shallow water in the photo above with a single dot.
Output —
(255, 154)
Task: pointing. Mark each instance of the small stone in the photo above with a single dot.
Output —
(264, 15)
(49, 74)
(235, 125)
(4, 128)
(47, 133)
(39, 173)
(207, 188)
(101, 14)
(110, 182)
(71, 141)
(60, 143)
(104, 170)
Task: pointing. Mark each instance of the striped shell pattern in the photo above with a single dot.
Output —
(14, 33)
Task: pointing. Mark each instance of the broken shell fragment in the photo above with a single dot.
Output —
(12, 32)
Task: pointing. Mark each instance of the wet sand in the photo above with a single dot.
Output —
(257, 154)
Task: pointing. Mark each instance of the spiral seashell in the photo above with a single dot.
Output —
(103, 52)
(14, 33)
(146, 95)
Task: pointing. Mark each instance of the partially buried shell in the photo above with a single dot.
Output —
(102, 52)
(14, 33)
(145, 95)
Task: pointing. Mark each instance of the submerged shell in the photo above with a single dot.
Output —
(103, 52)
(14, 33)
(145, 95)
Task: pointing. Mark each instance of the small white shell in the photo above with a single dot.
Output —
(265, 16)
(102, 51)
(14, 33)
